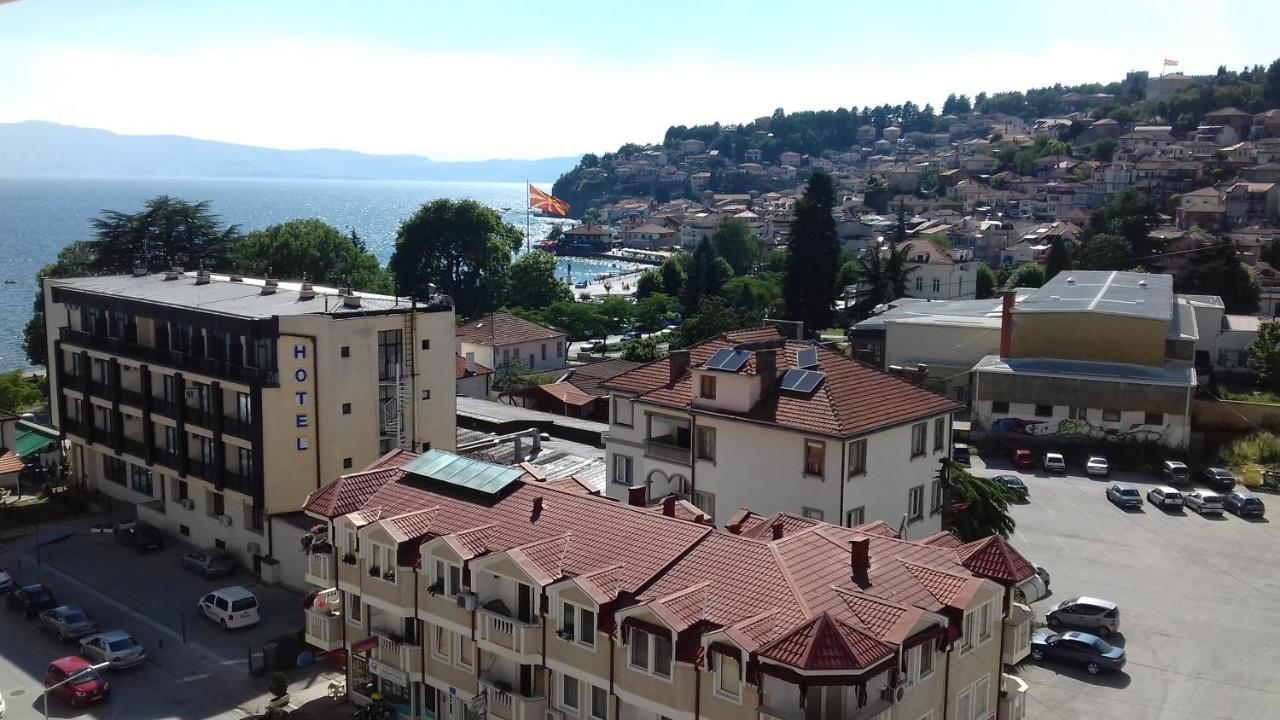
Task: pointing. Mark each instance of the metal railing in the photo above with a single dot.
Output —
(170, 358)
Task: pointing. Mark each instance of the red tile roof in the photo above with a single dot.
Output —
(10, 463)
(995, 559)
(460, 370)
(853, 399)
(500, 329)
(827, 643)
(567, 393)
(588, 378)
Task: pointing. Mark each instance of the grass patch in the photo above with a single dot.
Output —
(1256, 396)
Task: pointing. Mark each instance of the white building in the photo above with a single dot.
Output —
(752, 419)
(940, 274)
(499, 339)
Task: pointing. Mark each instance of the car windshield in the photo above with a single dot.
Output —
(1128, 491)
(74, 617)
(1102, 646)
(122, 644)
(85, 676)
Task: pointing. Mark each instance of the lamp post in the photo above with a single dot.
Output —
(71, 678)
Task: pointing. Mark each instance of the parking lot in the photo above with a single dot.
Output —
(1198, 597)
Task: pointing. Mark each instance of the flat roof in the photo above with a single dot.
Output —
(1178, 374)
(239, 298)
(463, 472)
(1141, 295)
(941, 312)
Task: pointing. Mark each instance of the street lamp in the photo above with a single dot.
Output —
(69, 679)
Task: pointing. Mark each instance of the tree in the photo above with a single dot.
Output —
(73, 260)
(1103, 251)
(986, 282)
(755, 296)
(556, 232)
(1271, 93)
(460, 246)
(579, 320)
(673, 274)
(515, 377)
(706, 276)
(533, 282)
(17, 393)
(1030, 275)
(652, 312)
(1218, 271)
(168, 231)
(1264, 355)
(617, 313)
(714, 316)
(1059, 259)
(977, 507)
(591, 216)
(809, 284)
(876, 196)
(649, 282)
(642, 350)
(735, 242)
(313, 250)
(1131, 215)
(1103, 150)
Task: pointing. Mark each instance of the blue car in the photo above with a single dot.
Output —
(1076, 648)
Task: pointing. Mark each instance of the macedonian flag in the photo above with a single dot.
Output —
(539, 200)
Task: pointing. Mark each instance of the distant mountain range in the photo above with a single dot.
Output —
(37, 148)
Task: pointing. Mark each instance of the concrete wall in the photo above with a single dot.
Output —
(1240, 417)
(488, 357)
(1021, 420)
(1089, 336)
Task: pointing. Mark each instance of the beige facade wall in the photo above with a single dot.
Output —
(1089, 336)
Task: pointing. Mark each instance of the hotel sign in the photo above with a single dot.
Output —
(302, 417)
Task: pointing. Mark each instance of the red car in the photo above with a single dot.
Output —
(1024, 460)
(86, 687)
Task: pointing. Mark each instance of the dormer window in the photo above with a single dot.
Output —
(707, 387)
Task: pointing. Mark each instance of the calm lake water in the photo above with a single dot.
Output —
(40, 216)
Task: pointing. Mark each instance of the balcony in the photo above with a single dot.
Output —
(170, 358)
(499, 633)
(320, 569)
(237, 428)
(135, 448)
(666, 451)
(395, 652)
(1013, 697)
(132, 398)
(1017, 634)
(199, 418)
(507, 703)
(324, 628)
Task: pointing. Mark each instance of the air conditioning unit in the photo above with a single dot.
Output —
(894, 694)
(192, 394)
(554, 715)
(225, 520)
(187, 503)
(255, 548)
(466, 600)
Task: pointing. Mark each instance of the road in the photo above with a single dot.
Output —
(1199, 600)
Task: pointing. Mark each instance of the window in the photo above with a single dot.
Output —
(559, 348)
(919, 284)
(244, 407)
(1044, 411)
(599, 703)
(390, 350)
(182, 490)
(980, 692)
(915, 502)
(706, 502)
(1077, 413)
(354, 610)
(622, 469)
(812, 513)
(925, 666)
(215, 502)
(578, 624)
(441, 645)
(346, 463)
(669, 431)
(345, 351)
(449, 577)
(984, 623)
(939, 433)
(815, 452)
(622, 411)
(1153, 418)
(937, 285)
(1110, 415)
(707, 443)
(346, 408)
(651, 653)
(728, 676)
(855, 517)
(707, 386)
(466, 651)
(1000, 406)
(140, 479)
(569, 692)
(857, 457)
(935, 493)
(426, 394)
(919, 436)
(544, 351)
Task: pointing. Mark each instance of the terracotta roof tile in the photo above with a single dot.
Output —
(10, 463)
(827, 643)
(588, 378)
(995, 559)
(943, 539)
(411, 525)
(460, 370)
(502, 329)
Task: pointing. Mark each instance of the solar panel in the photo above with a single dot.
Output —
(808, 358)
(802, 381)
(728, 360)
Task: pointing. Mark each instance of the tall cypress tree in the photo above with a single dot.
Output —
(1059, 259)
(704, 277)
(809, 286)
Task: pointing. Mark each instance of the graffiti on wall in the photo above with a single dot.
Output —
(1081, 429)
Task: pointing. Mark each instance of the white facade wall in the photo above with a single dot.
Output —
(943, 282)
(1175, 431)
(529, 353)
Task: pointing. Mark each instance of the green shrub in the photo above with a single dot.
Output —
(1261, 448)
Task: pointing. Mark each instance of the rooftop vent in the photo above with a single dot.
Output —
(202, 277)
(173, 273)
(237, 278)
(269, 286)
(351, 301)
(1071, 281)
(307, 292)
(1142, 283)
(139, 271)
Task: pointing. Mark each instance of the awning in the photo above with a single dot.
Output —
(365, 645)
(32, 442)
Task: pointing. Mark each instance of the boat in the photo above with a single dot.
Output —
(10, 281)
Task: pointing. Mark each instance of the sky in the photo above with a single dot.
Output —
(476, 79)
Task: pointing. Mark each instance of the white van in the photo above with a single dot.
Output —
(230, 607)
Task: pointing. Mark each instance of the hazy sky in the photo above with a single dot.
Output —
(468, 79)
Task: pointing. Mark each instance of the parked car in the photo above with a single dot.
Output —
(1204, 502)
(209, 562)
(68, 622)
(83, 684)
(6, 581)
(140, 537)
(1124, 496)
(1175, 472)
(1014, 485)
(230, 607)
(1100, 616)
(632, 334)
(1244, 504)
(31, 600)
(1219, 479)
(1077, 648)
(1024, 460)
(581, 284)
(1165, 498)
(1097, 466)
(1054, 462)
(1033, 588)
(114, 646)
(960, 453)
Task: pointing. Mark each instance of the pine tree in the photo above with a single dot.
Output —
(1058, 259)
(809, 286)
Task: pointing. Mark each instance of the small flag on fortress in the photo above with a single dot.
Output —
(1170, 63)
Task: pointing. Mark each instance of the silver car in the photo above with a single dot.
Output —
(1165, 498)
(1097, 616)
(114, 646)
(68, 622)
(1204, 502)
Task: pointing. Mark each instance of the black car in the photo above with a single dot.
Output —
(1244, 504)
(31, 600)
(1014, 485)
(140, 537)
(1077, 648)
(1219, 479)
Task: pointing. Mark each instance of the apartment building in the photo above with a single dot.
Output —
(755, 419)
(215, 403)
(460, 589)
(498, 339)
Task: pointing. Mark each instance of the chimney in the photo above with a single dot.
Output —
(173, 273)
(517, 450)
(860, 556)
(767, 365)
(351, 301)
(269, 286)
(1006, 322)
(471, 362)
(308, 292)
(202, 277)
(537, 508)
(679, 363)
(669, 506)
(139, 271)
(236, 278)
(638, 495)
(777, 530)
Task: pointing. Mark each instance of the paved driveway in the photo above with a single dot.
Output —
(1199, 600)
